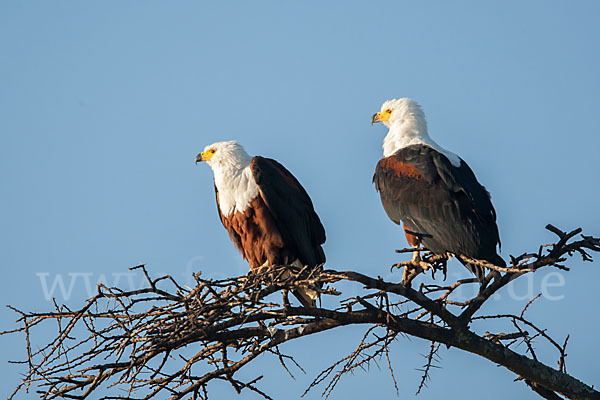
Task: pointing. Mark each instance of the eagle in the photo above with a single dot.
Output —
(432, 191)
(268, 214)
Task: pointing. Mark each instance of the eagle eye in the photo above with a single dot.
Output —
(389, 111)
(212, 151)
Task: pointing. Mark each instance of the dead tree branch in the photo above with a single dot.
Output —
(138, 341)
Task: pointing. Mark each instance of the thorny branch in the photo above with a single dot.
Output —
(132, 342)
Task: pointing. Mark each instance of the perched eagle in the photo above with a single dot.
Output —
(266, 211)
(432, 191)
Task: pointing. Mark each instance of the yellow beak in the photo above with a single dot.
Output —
(380, 117)
(204, 156)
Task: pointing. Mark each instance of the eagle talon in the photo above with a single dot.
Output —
(264, 268)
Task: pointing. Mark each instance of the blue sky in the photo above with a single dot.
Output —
(104, 106)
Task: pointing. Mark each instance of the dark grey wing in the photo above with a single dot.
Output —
(292, 209)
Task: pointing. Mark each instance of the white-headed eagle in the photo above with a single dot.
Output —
(269, 216)
(433, 192)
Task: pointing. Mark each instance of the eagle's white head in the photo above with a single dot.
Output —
(225, 155)
(406, 112)
(407, 126)
(233, 176)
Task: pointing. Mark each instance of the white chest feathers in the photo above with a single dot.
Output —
(236, 189)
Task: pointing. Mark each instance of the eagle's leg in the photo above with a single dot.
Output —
(416, 264)
(414, 240)
(416, 258)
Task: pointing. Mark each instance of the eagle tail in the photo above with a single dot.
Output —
(479, 271)
(476, 270)
(306, 296)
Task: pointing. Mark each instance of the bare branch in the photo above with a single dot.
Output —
(140, 339)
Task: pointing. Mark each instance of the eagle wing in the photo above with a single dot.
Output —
(291, 208)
